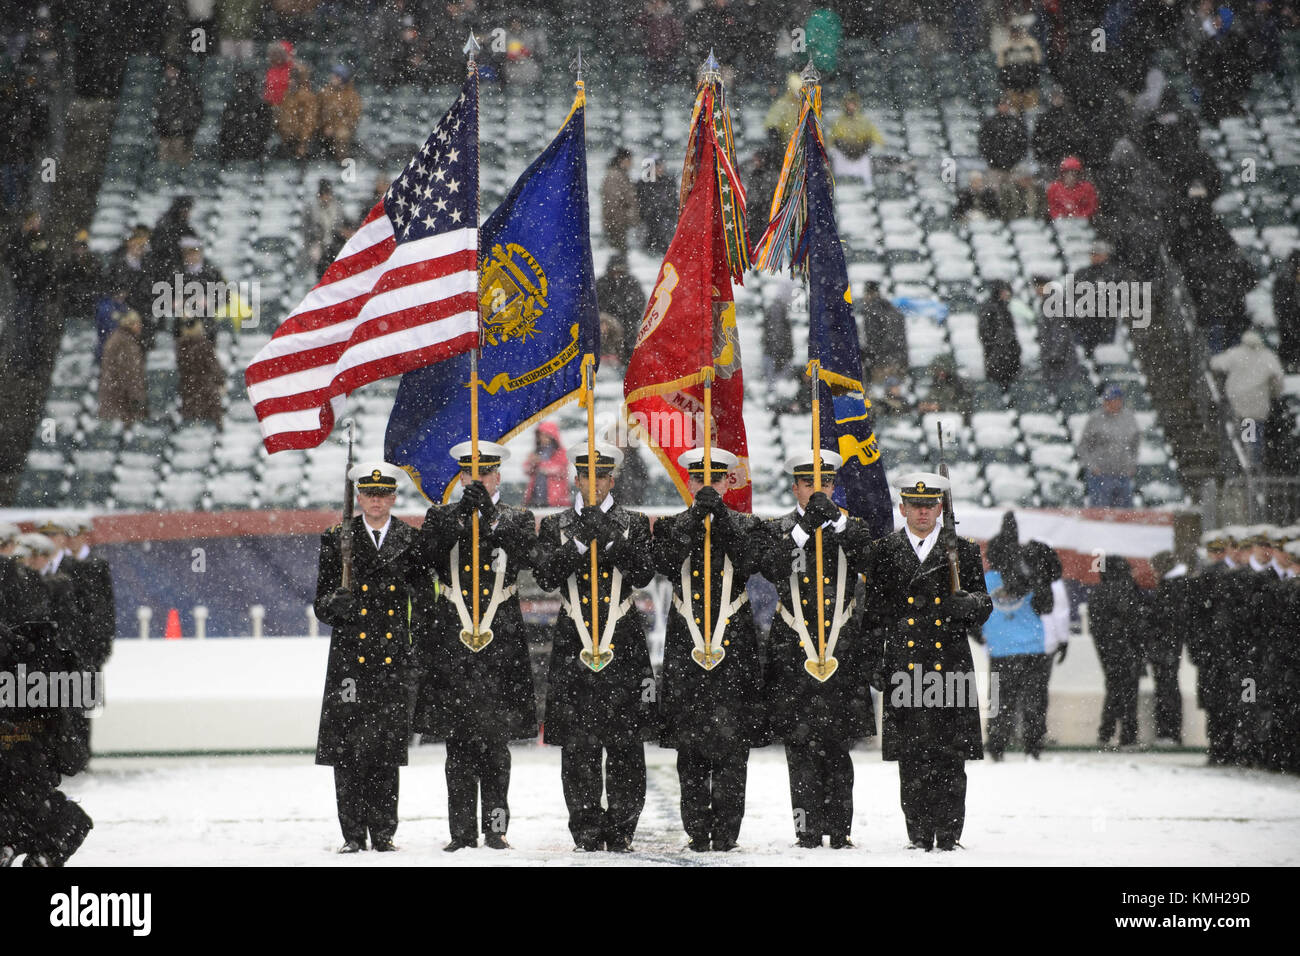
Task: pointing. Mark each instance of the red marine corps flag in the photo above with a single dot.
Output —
(688, 337)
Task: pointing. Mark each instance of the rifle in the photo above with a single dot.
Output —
(345, 530)
(949, 522)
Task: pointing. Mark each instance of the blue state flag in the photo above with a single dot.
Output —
(846, 421)
(537, 296)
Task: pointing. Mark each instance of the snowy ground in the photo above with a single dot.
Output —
(1086, 809)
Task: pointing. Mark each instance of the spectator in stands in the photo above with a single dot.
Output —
(298, 116)
(661, 26)
(852, 138)
(1286, 310)
(32, 271)
(783, 115)
(884, 336)
(238, 22)
(245, 122)
(194, 268)
(319, 224)
(976, 200)
(1117, 614)
(1071, 196)
(1058, 132)
(618, 204)
(1222, 69)
(948, 392)
(656, 197)
(1057, 357)
(178, 111)
(24, 126)
(547, 468)
(778, 338)
(201, 379)
(126, 270)
(123, 389)
(1254, 379)
(108, 315)
(611, 340)
(1094, 330)
(526, 47)
(1019, 59)
(621, 296)
(997, 331)
(275, 86)
(761, 175)
(81, 279)
(889, 399)
(1108, 450)
(163, 260)
(1004, 142)
(340, 111)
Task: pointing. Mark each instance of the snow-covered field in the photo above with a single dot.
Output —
(1070, 808)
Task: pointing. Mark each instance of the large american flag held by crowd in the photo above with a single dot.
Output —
(402, 294)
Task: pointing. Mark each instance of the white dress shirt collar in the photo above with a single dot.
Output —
(922, 546)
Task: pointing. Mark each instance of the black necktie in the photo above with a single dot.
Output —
(376, 531)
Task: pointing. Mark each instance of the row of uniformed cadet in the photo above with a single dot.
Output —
(1239, 615)
(56, 616)
(716, 701)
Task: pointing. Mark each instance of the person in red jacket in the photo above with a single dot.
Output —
(548, 470)
(1071, 196)
(276, 84)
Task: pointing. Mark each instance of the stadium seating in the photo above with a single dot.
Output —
(1016, 448)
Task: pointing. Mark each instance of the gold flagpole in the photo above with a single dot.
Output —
(712, 76)
(815, 367)
(810, 81)
(708, 519)
(471, 47)
(589, 396)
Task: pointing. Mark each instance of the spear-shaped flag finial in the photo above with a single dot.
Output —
(471, 47)
(576, 66)
(712, 70)
(810, 76)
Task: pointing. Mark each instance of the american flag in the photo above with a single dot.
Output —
(402, 294)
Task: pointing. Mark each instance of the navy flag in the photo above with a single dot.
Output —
(846, 425)
(537, 299)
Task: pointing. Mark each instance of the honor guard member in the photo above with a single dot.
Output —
(818, 701)
(600, 694)
(92, 589)
(365, 713)
(712, 705)
(924, 669)
(477, 689)
(1207, 648)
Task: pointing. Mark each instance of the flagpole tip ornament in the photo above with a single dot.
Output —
(810, 76)
(471, 47)
(576, 66)
(711, 72)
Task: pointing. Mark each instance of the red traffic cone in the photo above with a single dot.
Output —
(173, 631)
